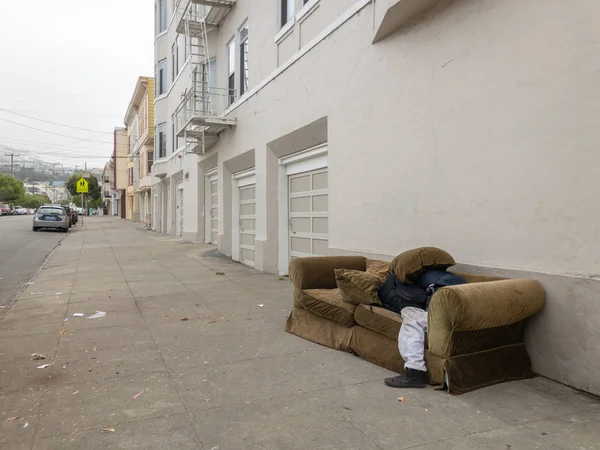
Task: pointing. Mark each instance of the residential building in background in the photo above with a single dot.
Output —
(108, 192)
(293, 128)
(139, 120)
(121, 174)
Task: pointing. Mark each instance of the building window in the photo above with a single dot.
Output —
(161, 77)
(150, 161)
(244, 59)
(231, 70)
(161, 16)
(287, 11)
(185, 56)
(175, 59)
(160, 140)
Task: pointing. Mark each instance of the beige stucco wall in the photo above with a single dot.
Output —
(473, 129)
(122, 151)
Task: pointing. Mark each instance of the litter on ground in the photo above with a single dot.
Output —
(260, 305)
(43, 366)
(98, 315)
(184, 319)
(138, 394)
(37, 356)
(10, 419)
(108, 430)
(65, 332)
(219, 273)
(26, 425)
(400, 399)
(36, 293)
(78, 314)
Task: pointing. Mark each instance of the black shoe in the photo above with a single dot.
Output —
(411, 378)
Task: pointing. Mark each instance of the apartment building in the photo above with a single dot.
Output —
(121, 178)
(289, 128)
(108, 193)
(139, 120)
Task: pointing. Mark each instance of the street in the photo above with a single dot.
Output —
(21, 253)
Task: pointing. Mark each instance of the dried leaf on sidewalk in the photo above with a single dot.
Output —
(98, 315)
(108, 430)
(38, 356)
(43, 366)
(10, 419)
(65, 332)
(184, 319)
(138, 394)
(400, 399)
(219, 273)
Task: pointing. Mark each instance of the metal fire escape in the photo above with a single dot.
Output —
(199, 117)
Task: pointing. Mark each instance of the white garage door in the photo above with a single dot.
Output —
(214, 209)
(308, 213)
(247, 223)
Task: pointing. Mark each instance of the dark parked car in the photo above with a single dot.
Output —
(70, 213)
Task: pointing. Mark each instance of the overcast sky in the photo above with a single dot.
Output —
(74, 62)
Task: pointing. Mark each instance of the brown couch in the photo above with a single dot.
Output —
(475, 330)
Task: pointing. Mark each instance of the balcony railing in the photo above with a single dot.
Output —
(203, 106)
(211, 12)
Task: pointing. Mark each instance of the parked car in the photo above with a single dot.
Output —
(51, 216)
(75, 216)
(18, 211)
(70, 214)
(4, 209)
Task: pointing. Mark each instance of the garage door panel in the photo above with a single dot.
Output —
(246, 193)
(246, 209)
(308, 210)
(319, 181)
(300, 184)
(247, 223)
(300, 204)
(320, 247)
(320, 203)
(320, 225)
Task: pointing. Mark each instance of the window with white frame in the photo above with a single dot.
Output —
(175, 59)
(160, 140)
(287, 11)
(161, 16)
(244, 59)
(231, 70)
(161, 77)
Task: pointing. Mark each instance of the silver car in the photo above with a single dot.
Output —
(51, 216)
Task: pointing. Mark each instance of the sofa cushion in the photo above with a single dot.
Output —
(408, 266)
(379, 320)
(357, 287)
(381, 269)
(328, 303)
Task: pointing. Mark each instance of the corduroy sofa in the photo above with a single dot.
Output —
(475, 330)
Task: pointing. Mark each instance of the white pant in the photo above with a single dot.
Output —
(411, 339)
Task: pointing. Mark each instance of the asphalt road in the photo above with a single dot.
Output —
(22, 252)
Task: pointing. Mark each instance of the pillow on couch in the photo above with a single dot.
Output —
(408, 266)
(357, 287)
(381, 269)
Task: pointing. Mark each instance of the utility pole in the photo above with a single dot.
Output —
(12, 156)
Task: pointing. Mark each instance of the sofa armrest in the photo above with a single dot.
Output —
(480, 306)
(318, 272)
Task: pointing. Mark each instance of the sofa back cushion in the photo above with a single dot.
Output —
(357, 287)
(317, 272)
(408, 266)
(381, 269)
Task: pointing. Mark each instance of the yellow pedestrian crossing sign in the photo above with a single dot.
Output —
(82, 186)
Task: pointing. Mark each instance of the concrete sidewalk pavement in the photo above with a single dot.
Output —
(192, 355)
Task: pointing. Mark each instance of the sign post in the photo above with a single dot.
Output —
(82, 187)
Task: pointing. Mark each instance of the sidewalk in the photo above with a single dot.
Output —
(227, 377)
